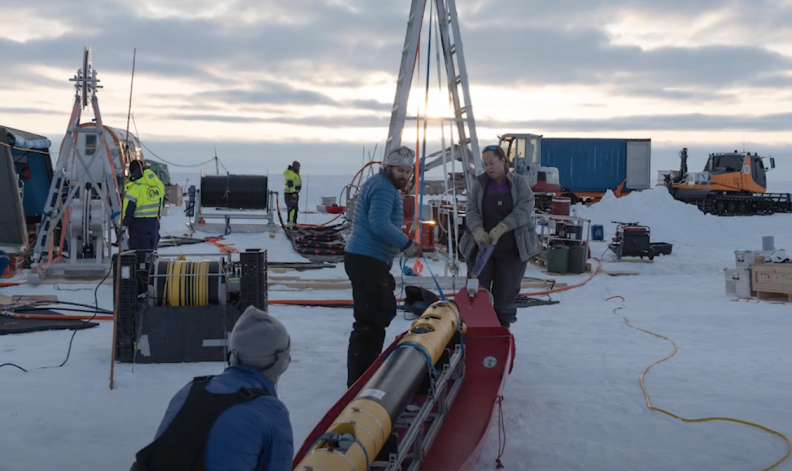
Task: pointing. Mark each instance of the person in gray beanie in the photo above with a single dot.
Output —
(377, 238)
(233, 421)
(260, 341)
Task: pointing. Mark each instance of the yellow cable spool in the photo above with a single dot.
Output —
(187, 283)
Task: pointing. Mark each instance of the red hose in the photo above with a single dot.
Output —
(58, 317)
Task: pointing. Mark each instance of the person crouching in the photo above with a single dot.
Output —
(233, 421)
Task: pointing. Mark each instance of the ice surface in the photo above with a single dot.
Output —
(572, 402)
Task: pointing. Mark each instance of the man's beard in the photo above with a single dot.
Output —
(398, 183)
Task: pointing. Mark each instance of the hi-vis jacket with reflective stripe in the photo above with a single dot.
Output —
(143, 199)
(293, 182)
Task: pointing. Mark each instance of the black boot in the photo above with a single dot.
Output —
(365, 345)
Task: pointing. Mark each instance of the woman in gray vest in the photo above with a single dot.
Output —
(500, 209)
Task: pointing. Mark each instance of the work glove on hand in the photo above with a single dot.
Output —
(497, 231)
(413, 250)
(481, 237)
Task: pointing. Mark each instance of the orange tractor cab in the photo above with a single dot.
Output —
(732, 184)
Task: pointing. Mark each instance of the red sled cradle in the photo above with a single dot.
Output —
(427, 402)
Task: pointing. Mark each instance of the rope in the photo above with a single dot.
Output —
(683, 419)
(501, 432)
(439, 290)
(427, 357)
(225, 248)
(24, 150)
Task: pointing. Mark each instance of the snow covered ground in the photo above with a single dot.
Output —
(572, 402)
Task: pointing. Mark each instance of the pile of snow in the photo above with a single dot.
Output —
(702, 242)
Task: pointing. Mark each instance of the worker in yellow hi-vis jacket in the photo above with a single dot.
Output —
(143, 202)
(291, 192)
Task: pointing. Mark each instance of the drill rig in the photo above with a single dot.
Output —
(732, 184)
(84, 202)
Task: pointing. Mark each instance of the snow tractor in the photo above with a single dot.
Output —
(523, 153)
(732, 184)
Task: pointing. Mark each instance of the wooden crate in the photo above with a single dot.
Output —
(772, 278)
(175, 195)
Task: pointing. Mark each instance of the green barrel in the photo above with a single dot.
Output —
(557, 259)
(578, 255)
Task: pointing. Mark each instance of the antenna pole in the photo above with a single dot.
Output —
(129, 112)
(217, 165)
(119, 234)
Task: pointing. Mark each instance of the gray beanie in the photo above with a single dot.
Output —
(400, 157)
(260, 341)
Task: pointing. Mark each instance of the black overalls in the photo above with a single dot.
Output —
(504, 271)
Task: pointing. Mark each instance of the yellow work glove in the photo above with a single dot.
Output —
(481, 237)
(497, 231)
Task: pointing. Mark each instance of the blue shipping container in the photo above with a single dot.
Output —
(586, 165)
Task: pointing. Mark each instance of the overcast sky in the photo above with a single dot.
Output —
(267, 82)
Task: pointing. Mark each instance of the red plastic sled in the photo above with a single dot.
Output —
(333, 209)
(489, 357)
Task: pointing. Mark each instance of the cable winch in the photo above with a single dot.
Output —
(235, 192)
(183, 308)
(231, 196)
(187, 283)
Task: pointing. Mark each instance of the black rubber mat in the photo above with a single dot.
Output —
(12, 325)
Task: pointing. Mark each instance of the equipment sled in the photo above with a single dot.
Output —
(403, 414)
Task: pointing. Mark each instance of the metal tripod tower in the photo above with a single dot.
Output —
(76, 232)
(456, 73)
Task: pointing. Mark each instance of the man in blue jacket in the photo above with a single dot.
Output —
(377, 238)
(233, 421)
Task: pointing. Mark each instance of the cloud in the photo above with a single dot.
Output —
(316, 121)
(545, 55)
(331, 41)
(19, 110)
(325, 64)
(269, 93)
(670, 122)
(265, 92)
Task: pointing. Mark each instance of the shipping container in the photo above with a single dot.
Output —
(588, 165)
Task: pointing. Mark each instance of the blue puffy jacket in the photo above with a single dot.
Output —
(379, 215)
(242, 432)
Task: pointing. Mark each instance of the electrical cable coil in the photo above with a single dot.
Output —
(319, 241)
(235, 191)
(188, 283)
